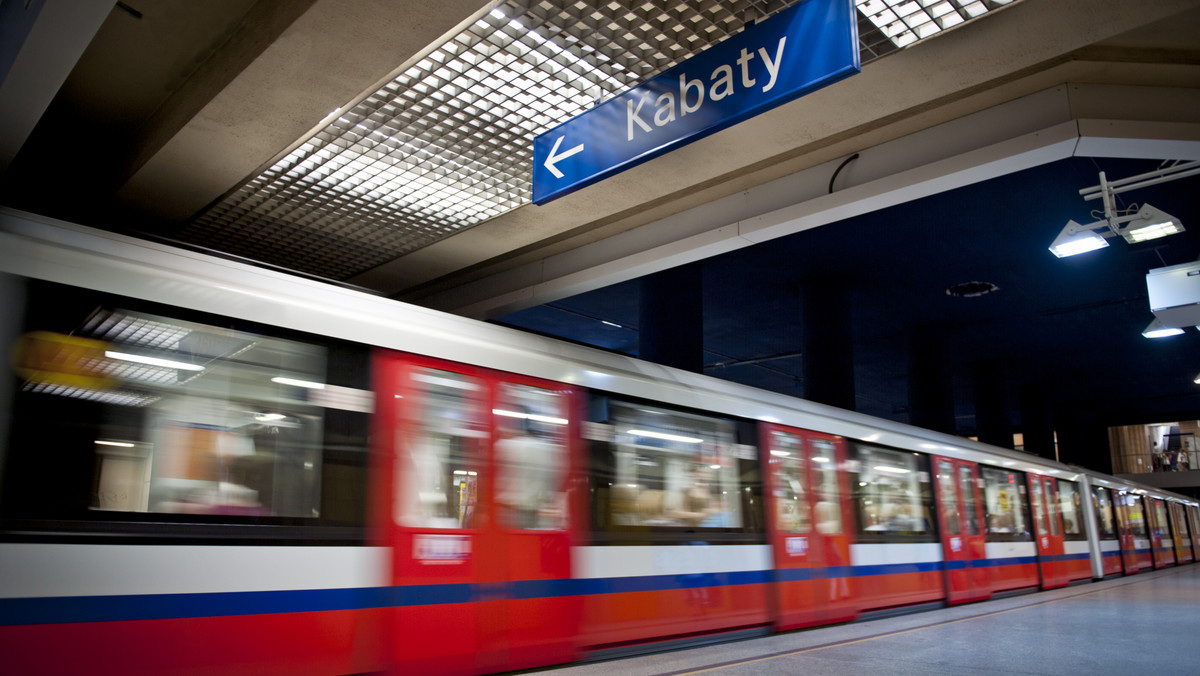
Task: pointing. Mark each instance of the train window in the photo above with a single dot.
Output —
(444, 424)
(531, 457)
(1136, 514)
(1039, 507)
(1004, 502)
(893, 494)
(673, 469)
(792, 514)
(667, 476)
(1160, 512)
(151, 415)
(1071, 508)
(829, 507)
(966, 487)
(1052, 511)
(1102, 501)
(948, 496)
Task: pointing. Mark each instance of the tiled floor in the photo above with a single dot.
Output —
(1143, 624)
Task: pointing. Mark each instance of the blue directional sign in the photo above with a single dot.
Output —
(803, 48)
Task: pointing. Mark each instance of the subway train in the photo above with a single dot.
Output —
(213, 467)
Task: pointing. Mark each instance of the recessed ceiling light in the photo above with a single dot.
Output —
(971, 289)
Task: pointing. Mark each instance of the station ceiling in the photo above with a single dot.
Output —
(386, 145)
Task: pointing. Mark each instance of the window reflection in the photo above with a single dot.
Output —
(1070, 507)
(437, 464)
(1136, 515)
(824, 469)
(791, 500)
(893, 494)
(948, 495)
(531, 456)
(189, 418)
(1004, 502)
(1102, 500)
(673, 469)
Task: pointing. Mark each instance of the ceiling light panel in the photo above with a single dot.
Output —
(448, 143)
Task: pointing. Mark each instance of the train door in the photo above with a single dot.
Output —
(1179, 527)
(533, 425)
(476, 554)
(1048, 531)
(1125, 532)
(1160, 534)
(809, 527)
(1109, 530)
(797, 559)
(1193, 514)
(963, 540)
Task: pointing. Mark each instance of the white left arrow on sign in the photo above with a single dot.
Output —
(552, 158)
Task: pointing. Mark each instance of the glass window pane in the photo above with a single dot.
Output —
(792, 514)
(158, 411)
(828, 507)
(1102, 500)
(893, 494)
(1039, 511)
(673, 469)
(1051, 507)
(531, 457)
(439, 475)
(1161, 512)
(1136, 514)
(1004, 502)
(1069, 506)
(966, 486)
(948, 496)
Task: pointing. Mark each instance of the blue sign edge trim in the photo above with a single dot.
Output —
(832, 78)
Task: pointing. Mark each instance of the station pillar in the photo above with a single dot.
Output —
(1037, 421)
(930, 382)
(1083, 440)
(828, 342)
(671, 318)
(992, 425)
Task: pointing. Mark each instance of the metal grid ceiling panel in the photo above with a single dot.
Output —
(448, 143)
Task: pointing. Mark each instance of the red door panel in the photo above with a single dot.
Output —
(1160, 534)
(1048, 531)
(809, 527)
(963, 540)
(478, 469)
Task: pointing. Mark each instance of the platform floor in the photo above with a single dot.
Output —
(1147, 623)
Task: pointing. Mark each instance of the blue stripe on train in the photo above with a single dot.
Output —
(53, 610)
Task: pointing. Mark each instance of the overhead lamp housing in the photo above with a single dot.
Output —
(1076, 239)
(1150, 223)
(1157, 329)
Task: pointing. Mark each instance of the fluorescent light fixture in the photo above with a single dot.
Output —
(820, 459)
(299, 383)
(1159, 330)
(890, 470)
(781, 454)
(1076, 239)
(152, 361)
(1197, 380)
(269, 417)
(119, 444)
(714, 467)
(664, 436)
(1150, 223)
(529, 416)
(439, 381)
